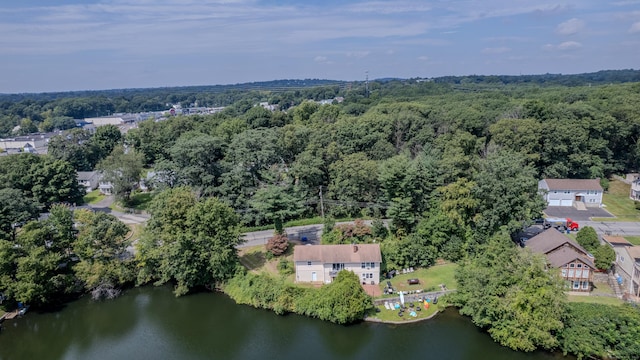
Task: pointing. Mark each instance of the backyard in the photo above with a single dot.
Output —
(93, 197)
(429, 279)
(617, 202)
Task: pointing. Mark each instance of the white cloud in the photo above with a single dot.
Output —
(565, 46)
(358, 54)
(321, 59)
(569, 45)
(635, 28)
(496, 50)
(570, 27)
(423, 58)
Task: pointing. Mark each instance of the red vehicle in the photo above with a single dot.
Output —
(561, 224)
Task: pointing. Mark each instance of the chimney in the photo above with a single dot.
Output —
(355, 248)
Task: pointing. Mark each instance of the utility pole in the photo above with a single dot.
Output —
(321, 203)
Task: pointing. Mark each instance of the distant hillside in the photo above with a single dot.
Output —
(596, 78)
(273, 85)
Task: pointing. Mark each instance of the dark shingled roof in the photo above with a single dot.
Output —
(550, 239)
(338, 253)
(573, 184)
(565, 255)
(558, 248)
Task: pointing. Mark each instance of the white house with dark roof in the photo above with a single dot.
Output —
(575, 264)
(579, 193)
(321, 263)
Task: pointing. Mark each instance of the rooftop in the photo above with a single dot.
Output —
(338, 253)
(573, 184)
(550, 239)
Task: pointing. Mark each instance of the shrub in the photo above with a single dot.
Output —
(286, 267)
(278, 244)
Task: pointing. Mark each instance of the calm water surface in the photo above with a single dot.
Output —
(150, 323)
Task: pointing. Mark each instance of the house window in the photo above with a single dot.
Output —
(576, 284)
(564, 272)
(309, 263)
(585, 285)
(373, 265)
(364, 265)
(579, 265)
(572, 265)
(338, 266)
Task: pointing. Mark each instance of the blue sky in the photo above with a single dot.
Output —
(59, 45)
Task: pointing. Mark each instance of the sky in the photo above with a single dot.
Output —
(62, 45)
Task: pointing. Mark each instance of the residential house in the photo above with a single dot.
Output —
(321, 263)
(627, 264)
(105, 187)
(575, 264)
(634, 180)
(579, 193)
(89, 180)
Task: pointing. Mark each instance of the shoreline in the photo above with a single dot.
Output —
(374, 320)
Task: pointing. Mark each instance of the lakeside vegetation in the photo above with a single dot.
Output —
(453, 165)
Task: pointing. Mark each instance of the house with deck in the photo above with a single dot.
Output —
(579, 193)
(321, 263)
(563, 253)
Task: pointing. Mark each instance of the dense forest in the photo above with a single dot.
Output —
(454, 164)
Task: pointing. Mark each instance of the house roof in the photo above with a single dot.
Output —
(616, 240)
(634, 251)
(338, 253)
(86, 175)
(551, 239)
(565, 255)
(573, 184)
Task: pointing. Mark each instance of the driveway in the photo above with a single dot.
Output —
(575, 214)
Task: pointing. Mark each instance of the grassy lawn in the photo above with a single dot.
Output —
(255, 259)
(618, 203)
(93, 197)
(430, 279)
(595, 299)
(635, 240)
(392, 315)
(139, 201)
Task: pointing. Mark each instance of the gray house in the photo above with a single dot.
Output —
(88, 179)
(579, 193)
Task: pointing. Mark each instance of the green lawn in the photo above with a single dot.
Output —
(392, 315)
(635, 240)
(93, 197)
(595, 299)
(430, 279)
(139, 201)
(617, 202)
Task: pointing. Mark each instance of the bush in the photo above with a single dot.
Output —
(342, 302)
(286, 267)
(278, 244)
(601, 331)
(588, 238)
(636, 204)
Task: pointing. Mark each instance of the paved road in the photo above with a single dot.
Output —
(614, 228)
(312, 233)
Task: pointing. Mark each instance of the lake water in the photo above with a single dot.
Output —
(150, 323)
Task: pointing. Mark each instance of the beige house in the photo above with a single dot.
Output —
(627, 263)
(321, 263)
(575, 264)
